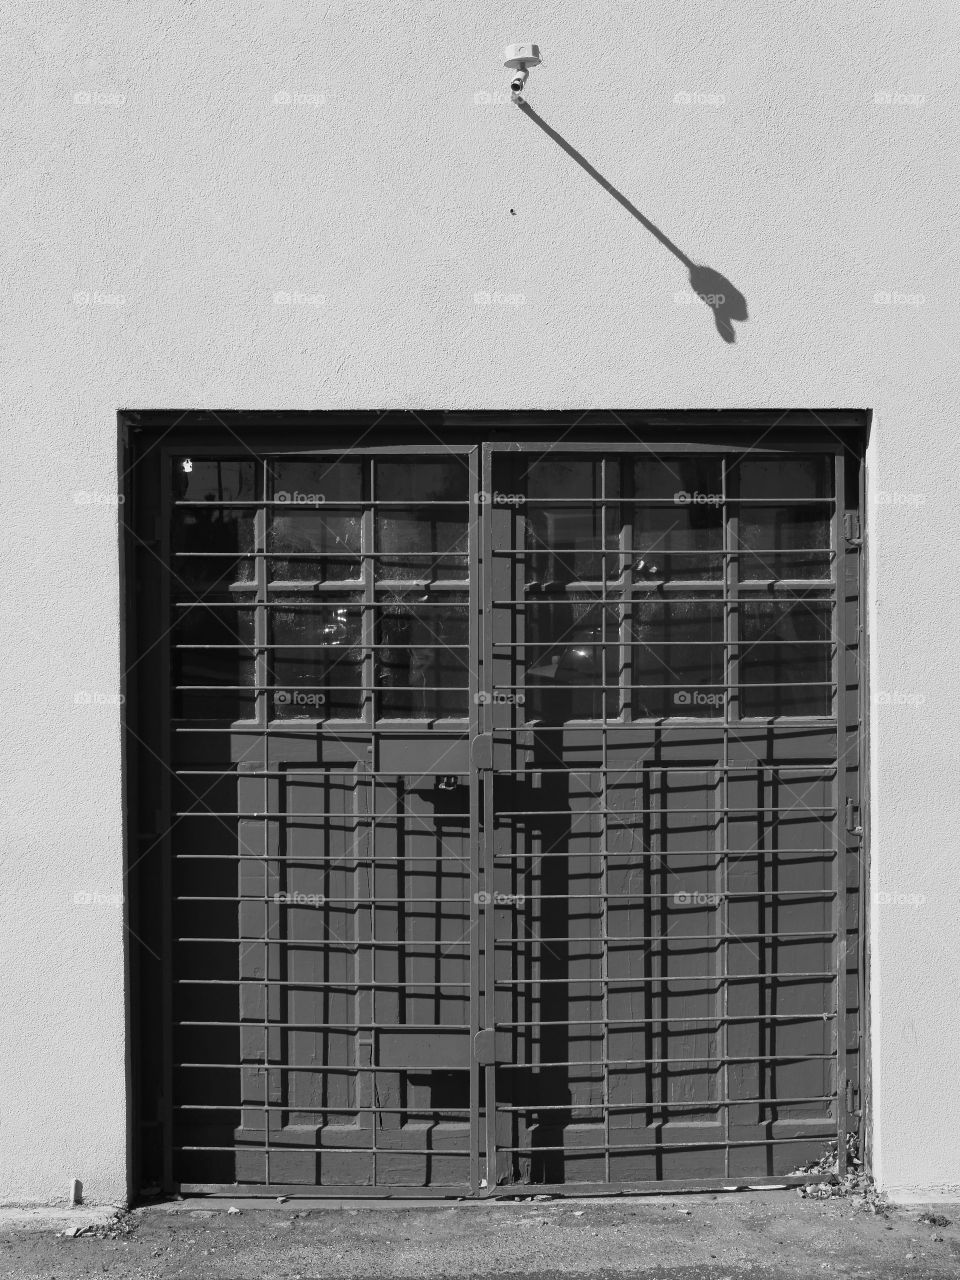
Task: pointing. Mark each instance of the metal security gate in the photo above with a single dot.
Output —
(499, 806)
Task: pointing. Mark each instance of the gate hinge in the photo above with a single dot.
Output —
(484, 1048)
(851, 529)
(853, 826)
(481, 751)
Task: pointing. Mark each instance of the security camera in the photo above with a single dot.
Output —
(520, 58)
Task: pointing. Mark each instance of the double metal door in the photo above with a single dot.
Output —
(510, 797)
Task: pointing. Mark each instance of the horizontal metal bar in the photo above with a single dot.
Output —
(811, 811)
(347, 771)
(743, 895)
(616, 552)
(274, 1146)
(327, 688)
(744, 683)
(331, 586)
(587, 502)
(360, 818)
(651, 586)
(638, 855)
(821, 975)
(285, 505)
(390, 859)
(286, 1107)
(631, 1063)
(712, 1104)
(713, 1019)
(709, 590)
(593, 812)
(611, 642)
(626, 940)
(251, 649)
(257, 1024)
(337, 946)
(261, 1066)
(491, 1195)
(661, 1144)
(571, 770)
(406, 727)
(504, 1026)
(410, 985)
(322, 1191)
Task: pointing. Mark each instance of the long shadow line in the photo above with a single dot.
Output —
(722, 297)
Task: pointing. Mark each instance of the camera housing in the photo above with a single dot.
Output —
(520, 58)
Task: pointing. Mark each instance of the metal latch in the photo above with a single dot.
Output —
(484, 1047)
(481, 751)
(853, 826)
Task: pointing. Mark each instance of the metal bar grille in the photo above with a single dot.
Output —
(522, 858)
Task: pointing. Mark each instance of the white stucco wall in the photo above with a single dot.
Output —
(158, 194)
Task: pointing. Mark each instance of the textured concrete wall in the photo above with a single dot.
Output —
(320, 205)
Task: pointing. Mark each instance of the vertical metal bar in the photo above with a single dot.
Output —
(261, 678)
(473, 880)
(730, 532)
(841, 837)
(374, 1048)
(368, 624)
(487, 915)
(628, 696)
(369, 709)
(605, 461)
(861, 718)
(166, 844)
(364, 967)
